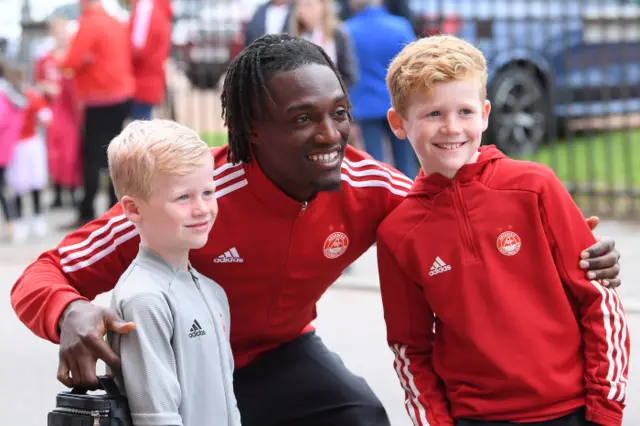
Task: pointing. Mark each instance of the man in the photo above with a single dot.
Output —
(150, 28)
(297, 206)
(395, 7)
(271, 17)
(370, 97)
(99, 58)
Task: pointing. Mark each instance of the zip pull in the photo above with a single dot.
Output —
(96, 417)
(303, 208)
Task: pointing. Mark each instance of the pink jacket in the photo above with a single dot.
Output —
(12, 107)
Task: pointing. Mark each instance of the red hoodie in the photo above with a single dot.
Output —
(150, 30)
(487, 311)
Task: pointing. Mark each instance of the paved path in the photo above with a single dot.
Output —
(350, 321)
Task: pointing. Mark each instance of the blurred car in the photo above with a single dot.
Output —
(549, 60)
(213, 38)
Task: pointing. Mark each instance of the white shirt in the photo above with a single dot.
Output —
(276, 16)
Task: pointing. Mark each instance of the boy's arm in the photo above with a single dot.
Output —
(410, 335)
(87, 262)
(602, 318)
(149, 368)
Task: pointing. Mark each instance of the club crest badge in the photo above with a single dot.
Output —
(335, 245)
(509, 243)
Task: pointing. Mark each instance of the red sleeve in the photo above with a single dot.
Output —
(141, 21)
(86, 263)
(602, 318)
(39, 69)
(80, 47)
(410, 335)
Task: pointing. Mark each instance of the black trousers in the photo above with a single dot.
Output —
(576, 418)
(101, 124)
(4, 201)
(302, 383)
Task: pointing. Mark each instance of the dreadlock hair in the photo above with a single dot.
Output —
(245, 91)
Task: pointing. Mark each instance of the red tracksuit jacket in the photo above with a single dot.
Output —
(487, 311)
(273, 256)
(100, 56)
(150, 30)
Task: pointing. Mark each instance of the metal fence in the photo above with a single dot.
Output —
(564, 80)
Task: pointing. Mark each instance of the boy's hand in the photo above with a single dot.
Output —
(82, 329)
(601, 259)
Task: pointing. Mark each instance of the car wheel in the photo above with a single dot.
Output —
(520, 112)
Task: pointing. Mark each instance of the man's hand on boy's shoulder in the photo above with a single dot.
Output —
(83, 326)
(600, 261)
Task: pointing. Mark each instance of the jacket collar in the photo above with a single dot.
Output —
(271, 196)
(436, 182)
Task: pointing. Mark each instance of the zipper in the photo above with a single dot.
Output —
(465, 228)
(96, 414)
(303, 208)
(220, 354)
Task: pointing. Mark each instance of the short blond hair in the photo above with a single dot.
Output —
(148, 147)
(431, 60)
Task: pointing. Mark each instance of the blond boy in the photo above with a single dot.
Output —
(489, 316)
(177, 365)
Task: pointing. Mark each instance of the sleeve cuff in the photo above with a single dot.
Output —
(160, 419)
(604, 417)
(58, 303)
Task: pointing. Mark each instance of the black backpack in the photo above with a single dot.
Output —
(79, 408)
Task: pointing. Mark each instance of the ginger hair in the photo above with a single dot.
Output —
(146, 148)
(431, 60)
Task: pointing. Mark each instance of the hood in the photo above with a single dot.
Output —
(432, 184)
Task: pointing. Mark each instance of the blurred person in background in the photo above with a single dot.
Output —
(395, 7)
(13, 103)
(99, 58)
(150, 29)
(378, 36)
(63, 133)
(316, 21)
(272, 17)
(27, 171)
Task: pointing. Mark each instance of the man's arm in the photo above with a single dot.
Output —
(79, 52)
(149, 367)
(410, 335)
(602, 318)
(53, 294)
(87, 262)
(140, 25)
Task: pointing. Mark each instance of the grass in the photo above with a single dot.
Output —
(609, 159)
(214, 139)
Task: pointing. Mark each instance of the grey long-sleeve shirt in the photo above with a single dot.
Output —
(177, 365)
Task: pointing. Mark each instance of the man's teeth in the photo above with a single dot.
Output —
(324, 157)
(449, 145)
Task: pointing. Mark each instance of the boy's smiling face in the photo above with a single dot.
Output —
(445, 126)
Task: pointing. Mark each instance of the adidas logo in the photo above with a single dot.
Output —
(438, 267)
(229, 256)
(196, 330)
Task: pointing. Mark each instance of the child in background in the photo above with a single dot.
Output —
(491, 320)
(12, 107)
(177, 365)
(27, 171)
(63, 133)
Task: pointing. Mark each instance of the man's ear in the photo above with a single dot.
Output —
(396, 123)
(131, 209)
(254, 135)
